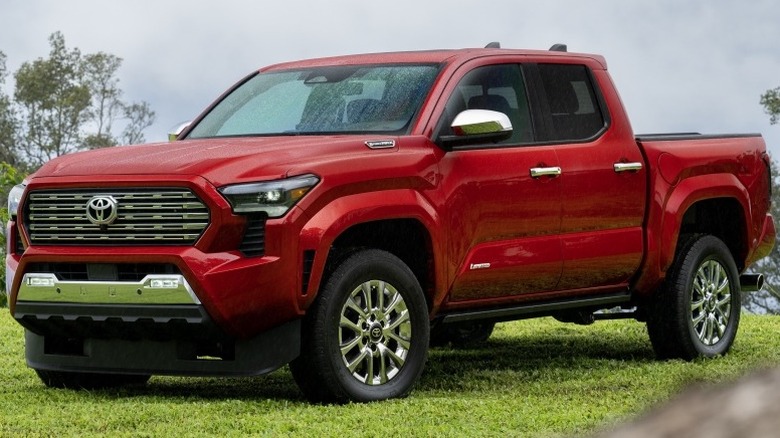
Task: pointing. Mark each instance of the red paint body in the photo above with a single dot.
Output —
(588, 231)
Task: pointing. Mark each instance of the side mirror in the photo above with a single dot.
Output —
(478, 126)
(173, 134)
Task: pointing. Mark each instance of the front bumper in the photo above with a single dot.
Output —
(215, 309)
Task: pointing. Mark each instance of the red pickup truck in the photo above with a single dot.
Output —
(341, 214)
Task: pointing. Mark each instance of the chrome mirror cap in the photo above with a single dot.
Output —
(481, 122)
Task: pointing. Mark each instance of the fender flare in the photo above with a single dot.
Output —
(687, 193)
(326, 225)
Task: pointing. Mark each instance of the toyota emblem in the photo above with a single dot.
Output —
(102, 210)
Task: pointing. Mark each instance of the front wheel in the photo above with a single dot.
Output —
(365, 337)
(697, 311)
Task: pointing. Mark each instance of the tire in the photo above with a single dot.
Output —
(361, 345)
(462, 335)
(77, 380)
(696, 313)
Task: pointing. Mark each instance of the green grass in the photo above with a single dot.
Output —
(533, 378)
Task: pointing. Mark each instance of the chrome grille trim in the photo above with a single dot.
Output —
(173, 216)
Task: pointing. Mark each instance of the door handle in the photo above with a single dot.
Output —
(627, 167)
(537, 172)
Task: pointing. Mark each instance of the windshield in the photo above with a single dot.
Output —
(344, 99)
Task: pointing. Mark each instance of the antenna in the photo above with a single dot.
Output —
(558, 48)
(493, 45)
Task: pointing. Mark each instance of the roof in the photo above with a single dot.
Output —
(427, 57)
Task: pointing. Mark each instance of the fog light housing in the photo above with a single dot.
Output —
(164, 283)
(41, 280)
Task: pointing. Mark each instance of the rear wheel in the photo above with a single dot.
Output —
(697, 311)
(365, 337)
(78, 380)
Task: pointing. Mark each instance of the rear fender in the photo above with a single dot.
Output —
(664, 228)
(689, 192)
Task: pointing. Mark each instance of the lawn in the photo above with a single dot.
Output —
(533, 378)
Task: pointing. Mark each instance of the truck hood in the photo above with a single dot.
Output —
(221, 161)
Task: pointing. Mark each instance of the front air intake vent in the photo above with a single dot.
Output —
(253, 243)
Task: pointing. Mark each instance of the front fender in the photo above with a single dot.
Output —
(324, 227)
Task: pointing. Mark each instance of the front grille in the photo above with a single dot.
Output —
(173, 216)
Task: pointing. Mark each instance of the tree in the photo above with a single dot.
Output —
(139, 117)
(99, 75)
(771, 103)
(69, 102)
(53, 102)
(7, 121)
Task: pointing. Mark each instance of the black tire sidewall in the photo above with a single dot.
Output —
(360, 267)
(702, 250)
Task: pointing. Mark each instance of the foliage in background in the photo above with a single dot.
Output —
(70, 102)
(771, 103)
(7, 120)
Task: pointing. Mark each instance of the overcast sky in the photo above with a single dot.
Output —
(679, 65)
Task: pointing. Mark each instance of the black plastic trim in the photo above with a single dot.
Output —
(110, 321)
(537, 309)
(308, 263)
(691, 136)
(232, 357)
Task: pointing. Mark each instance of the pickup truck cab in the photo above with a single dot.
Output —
(341, 214)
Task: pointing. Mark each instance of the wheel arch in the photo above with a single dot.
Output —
(716, 204)
(399, 222)
(711, 204)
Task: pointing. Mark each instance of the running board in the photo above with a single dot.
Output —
(537, 309)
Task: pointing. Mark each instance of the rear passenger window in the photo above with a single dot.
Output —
(574, 108)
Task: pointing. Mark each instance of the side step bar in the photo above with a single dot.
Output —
(538, 309)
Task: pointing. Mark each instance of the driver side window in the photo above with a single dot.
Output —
(495, 87)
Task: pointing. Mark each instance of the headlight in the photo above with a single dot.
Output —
(14, 198)
(271, 197)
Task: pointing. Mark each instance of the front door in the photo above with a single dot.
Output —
(502, 199)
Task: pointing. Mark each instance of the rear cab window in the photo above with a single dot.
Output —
(575, 113)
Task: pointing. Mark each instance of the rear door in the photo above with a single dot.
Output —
(603, 180)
